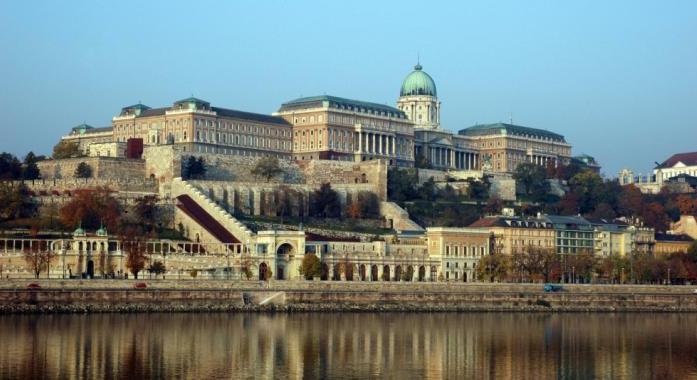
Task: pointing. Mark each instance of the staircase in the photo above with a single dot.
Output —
(208, 215)
(399, 217)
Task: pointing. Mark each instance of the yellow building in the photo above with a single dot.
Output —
(459, 250)
(670, 243)
(515, 234)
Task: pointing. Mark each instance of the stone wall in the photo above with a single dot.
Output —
(191, 295)
(109, 168)
(62, 187)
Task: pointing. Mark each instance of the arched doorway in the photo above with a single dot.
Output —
(348, 270)
(386, 273)
(434, 273)
(409, 275)
(374, 273)
(398, 273)
(361, 272)
(263, 271)
(325, 272)
(284, 253)
(336, 275)
(90, 269)
(464, 276)
(422, 273)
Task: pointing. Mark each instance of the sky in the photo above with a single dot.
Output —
(617, 78)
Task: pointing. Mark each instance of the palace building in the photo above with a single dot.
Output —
(199, 127)
(333, 128)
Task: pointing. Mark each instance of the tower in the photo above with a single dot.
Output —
(419, 100)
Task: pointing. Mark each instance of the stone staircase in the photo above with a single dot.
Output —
(230, 223)
(399, 217)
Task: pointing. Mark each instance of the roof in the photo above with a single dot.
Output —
(508, 129)
(418, 82)
(514, 222)
(191, 99)
(250, 116)
(337, 102)
(689, 159)
(84, 129)
(673, 237)
(153, 112)
(139, 106)
(568, 220)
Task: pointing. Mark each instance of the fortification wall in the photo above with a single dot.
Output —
(108, 168)
(63, 187)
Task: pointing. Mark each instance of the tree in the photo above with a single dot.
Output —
(30, 170)
(66, 149)
(91, 209)
(16, 202)
(83, 170)
(478, 189)
(587, 186)
(493, 206)
(630, 201)
(146, 211)
(654, 215)
(325, 202)
(10, 167)
(267, 167)
(133, 243)
(194, 168)
(38, 258)
(157, 268)
(422, 162)
(401, 184)
(532, 177)
(604, 211)
(286, 202)
(246, 266)
(427, 191)
(365, 204)
(493, 267)
(310, 267)
(686, 204)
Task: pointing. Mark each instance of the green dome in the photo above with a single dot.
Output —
(79, 232)
(418, 83)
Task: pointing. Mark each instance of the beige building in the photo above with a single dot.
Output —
(514, 234)
(201, 128)
(332, 128)
(85, 136)
(458, 250)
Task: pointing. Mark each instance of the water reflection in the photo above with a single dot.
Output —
(313, 346)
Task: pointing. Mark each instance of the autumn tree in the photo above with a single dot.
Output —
(38, 258)
(30, 170)
(686, 204)
(246, 264)
(92, 208)
(267, 168)
(134, 244)
(493, 267)
(66, 149)
(310, 267)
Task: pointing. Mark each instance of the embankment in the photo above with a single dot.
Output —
(290, 296)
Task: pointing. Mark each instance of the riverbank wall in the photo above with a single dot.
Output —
(308, 296)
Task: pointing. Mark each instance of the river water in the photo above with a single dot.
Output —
(317, 346)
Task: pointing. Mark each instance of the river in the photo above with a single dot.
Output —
(361, 345)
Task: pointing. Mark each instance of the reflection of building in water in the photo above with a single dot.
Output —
(482, 346)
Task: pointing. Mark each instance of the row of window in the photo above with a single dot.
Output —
(471, 251)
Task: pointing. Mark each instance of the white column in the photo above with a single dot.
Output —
(380, 144)
(360, 141)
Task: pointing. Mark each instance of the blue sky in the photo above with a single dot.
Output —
(617, 78)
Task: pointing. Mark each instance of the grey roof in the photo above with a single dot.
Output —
(337, 102)
(509, 129)
(569, 220)
(250, 116)
(153, 112)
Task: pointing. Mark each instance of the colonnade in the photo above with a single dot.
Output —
(376, 143)
(541, 160)
(455, 159)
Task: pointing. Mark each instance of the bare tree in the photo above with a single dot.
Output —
(39, 258)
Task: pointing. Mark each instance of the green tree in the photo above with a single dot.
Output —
(310, 267)
(145, 211)
(531, 177)
(267, 167)
(10, 167)
(16, 202)
(422, 162)
(194, 168)
(401, 184)
(66, 149)
(83, 170)
(31, 170)
(588, 186)
(427, 191)
(325, 202)
(157, 268)
(478, 189)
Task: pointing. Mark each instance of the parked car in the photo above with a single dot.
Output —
(550, 288)
(140, 285)
(33, 285)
